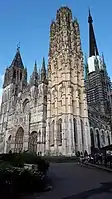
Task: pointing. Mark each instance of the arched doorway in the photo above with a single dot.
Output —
(19, 140)
(33, 142)
(98, 138)
(92, 140)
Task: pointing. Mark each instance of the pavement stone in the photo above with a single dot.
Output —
(71, 181)
(98, 167)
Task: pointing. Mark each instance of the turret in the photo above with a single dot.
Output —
(24, 78)
(77, 35)
(52, 29)
(43, 72)
(63, 17)
(96, 63)
(17, 61)
(103, 63)
(34, 77)
(15, 72)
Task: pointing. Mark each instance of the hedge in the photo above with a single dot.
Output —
(16, 179)
(18, 160)
(60, 159)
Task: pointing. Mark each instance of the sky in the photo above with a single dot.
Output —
(28, 22)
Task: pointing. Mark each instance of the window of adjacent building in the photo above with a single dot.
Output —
(98, 138)
(92, 139)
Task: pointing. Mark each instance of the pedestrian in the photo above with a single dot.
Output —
(81, 158)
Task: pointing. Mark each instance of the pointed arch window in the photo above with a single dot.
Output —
(17, 75)
(92, 138)
(19, 140)
(20, 75)
(75, 130)
(14, 74)
(26, 107)
(52, 134)
(108, 138)
(82, 126)
(60, 131)
(39, 137)
(98, 138)
(103, 137)
(33, 142)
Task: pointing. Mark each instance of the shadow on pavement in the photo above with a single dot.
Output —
(105, 188)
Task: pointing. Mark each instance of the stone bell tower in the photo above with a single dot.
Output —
(67, 115)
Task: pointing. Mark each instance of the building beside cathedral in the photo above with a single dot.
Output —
(98, 89)
(49, 114)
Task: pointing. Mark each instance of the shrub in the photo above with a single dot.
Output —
(18, 160)
(14, 178)
(19, 180)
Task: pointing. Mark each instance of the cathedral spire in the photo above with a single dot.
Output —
(93, 50)
(34, 77)
(35, 67)
(17, 61)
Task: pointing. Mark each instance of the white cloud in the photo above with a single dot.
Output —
(1, 84)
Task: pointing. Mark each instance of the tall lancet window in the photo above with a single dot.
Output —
(33, 142)
(108, 138)
(19, 140)
(98, 138)
(52, 134)
(103, 137)
(75, 130)
(60, 131)
(82, 126)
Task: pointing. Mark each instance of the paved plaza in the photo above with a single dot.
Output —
(71, 181)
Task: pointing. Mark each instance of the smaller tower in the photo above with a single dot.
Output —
(15, 72)
(43, 72)
(34, 77)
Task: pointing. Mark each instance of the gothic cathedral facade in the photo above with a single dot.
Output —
(48, 114)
